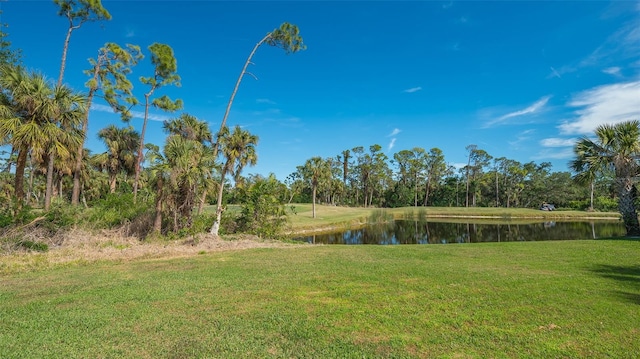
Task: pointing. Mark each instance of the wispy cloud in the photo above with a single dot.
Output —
(266, 101)
(521, 138)
(557, 142)
(613, 71)
(536, 107)
(394, 132)
(130, 33)
(413, 89)
(134, 114)
(554, 153)
(624, 43)
(604, 104)
(554, 73)
(392, 144)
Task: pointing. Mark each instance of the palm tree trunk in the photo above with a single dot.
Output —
(157, 222)
(21, 162)
(49, 190)
(75, 194)
(313, 201)
(112, 183)
(203, 199)
(627, 206)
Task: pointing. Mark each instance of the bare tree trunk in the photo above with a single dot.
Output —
(215, 229)
(141, 147)
(75, 194)
(65, 48)
(216, 145)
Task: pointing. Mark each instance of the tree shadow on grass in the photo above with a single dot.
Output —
(629, 275)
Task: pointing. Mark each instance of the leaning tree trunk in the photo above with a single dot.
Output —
(216, 224)
(626, 205)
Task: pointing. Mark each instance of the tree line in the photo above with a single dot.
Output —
(419, 177)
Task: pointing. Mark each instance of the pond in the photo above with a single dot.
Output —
(441, 232)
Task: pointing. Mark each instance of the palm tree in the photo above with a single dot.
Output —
(66, 111)
(190, 164)
(315, 171)
(616, 147)
(239, 150)
(190, 128)
(122, 144)
(28, 124)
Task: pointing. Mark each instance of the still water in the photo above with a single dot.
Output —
(428, 232)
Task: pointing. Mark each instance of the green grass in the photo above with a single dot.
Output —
(566, 299)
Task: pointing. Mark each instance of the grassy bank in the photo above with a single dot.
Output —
(537, 299)
(331, 217)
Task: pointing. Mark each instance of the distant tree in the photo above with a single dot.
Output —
(286, 37)
(435, 169)
(314, 172)
(616, 147)
(164, 74)
(239, 150)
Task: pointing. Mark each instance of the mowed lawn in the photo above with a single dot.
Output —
(557, 299)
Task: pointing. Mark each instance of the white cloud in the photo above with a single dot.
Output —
(265, 100)
(392, 143)
(134, 114)
(558, 142)
(536, 107)
(604, 104)
(614, 71)
(413, 89)
(554, 153)
(394, 132)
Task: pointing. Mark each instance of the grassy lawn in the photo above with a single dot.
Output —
(563, 299)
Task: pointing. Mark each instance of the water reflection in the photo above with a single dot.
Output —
(428, 232)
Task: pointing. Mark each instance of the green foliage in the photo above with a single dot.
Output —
(32, 245)
(115, 210)
(60, 216)
(263, 211)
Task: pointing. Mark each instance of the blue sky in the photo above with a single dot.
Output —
(519, 79)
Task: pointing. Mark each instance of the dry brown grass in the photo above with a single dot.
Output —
(81, 247)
